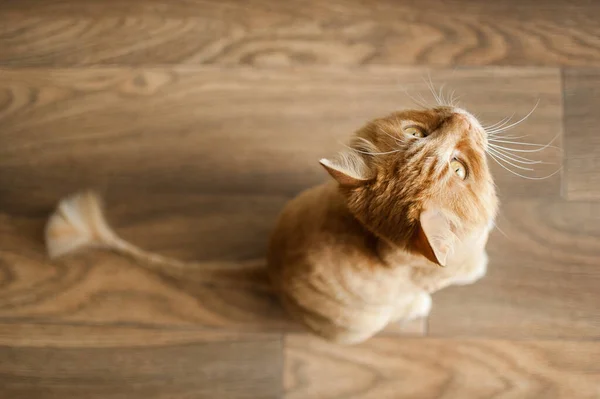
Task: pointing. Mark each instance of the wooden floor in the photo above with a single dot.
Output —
(198, 119)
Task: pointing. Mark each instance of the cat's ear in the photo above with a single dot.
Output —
(349, 169)
(435, 239)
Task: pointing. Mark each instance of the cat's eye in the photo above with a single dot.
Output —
(414, 131)
(459, 168)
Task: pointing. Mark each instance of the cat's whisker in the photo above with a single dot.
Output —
(501, 129)
(422, 103)
(495, 140)
(499, 135)
(522, 158)
(498, 130)
(500, 230)
(520, 150)
(502, 157)
(504, 129)
(499, 123)
(441, 95)
(523, 176)
(432, 89)
(508, 169)
(454, 100)
(365, 145)
(396, 139)
(492, 143)
(420, 100)
(375, 153)
(502, 137)
(428, 84)
(518, 158)
(504, 167)
(423, 100)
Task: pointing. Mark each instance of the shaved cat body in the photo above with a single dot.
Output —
(408, 213)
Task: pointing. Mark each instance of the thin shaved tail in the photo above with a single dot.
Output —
(78, 223)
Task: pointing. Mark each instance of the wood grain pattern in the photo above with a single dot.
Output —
(441, 368)
(300, 32)
(51, 361)
(542, 280)
(198, 119)
(206, 130)
(582, 100)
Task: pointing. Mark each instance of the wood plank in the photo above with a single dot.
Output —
(424, 32)
(542, 280)
(50, 361)
(207, 130)
(441, 368)
(582, 142)
(229, 290)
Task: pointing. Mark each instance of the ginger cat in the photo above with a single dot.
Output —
(407, 213)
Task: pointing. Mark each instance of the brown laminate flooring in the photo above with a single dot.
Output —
(198, 119)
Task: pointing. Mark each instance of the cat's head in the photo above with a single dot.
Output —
(419, 179)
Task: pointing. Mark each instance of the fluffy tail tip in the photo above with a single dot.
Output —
(77, 223)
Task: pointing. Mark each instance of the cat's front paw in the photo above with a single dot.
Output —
(412, 307)
(420, 306)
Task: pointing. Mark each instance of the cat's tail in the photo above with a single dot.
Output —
(79, 223)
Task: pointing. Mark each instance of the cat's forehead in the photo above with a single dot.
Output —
(434, 116)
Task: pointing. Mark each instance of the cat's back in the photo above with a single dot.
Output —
(299, 224)
(311, 226)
